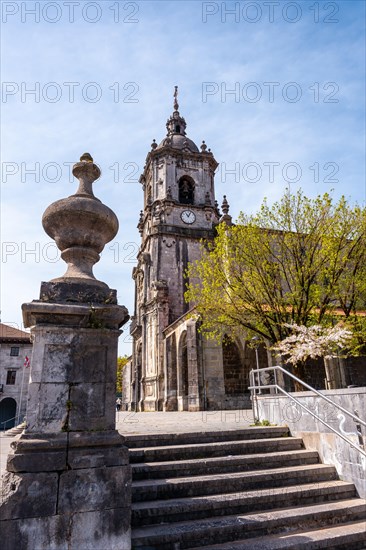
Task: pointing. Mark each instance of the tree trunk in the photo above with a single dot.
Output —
(282, 380)
(299, 371)
(332, 373)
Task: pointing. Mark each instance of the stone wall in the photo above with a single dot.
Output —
(350, 464)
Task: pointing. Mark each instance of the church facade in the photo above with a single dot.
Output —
(173, 366)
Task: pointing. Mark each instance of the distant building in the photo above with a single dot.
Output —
(15, 355)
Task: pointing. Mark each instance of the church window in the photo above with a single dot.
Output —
(14, 351)
(233, 368)
(186, 191)
(177, 128)
(10, 377)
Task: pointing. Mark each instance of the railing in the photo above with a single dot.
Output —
(256, 388)
(19, 420)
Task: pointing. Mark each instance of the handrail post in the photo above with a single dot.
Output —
(253, 392)
(275, 381)
(359, 431)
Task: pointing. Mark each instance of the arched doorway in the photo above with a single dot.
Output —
(8, 408)
(183, 380)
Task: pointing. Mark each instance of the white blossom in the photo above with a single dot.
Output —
(312, 342)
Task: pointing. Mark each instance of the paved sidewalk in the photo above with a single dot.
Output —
(162, 422)
(182, 422)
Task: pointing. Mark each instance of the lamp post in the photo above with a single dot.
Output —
(256, 342)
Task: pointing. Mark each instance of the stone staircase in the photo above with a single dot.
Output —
(255, 488)
(12, 432)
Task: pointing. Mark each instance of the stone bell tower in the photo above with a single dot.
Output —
(179, 211)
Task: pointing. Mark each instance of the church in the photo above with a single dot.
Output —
(173, 366)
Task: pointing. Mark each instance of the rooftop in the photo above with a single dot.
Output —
(11, 334)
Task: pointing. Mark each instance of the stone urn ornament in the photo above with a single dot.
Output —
(81, 225)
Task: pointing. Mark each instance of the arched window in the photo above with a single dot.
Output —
(186, 190)
(233, 368)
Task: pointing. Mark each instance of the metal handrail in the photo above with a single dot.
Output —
(258, 387)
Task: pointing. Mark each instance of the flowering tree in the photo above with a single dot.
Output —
(312, 342)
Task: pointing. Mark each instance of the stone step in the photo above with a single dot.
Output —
(348, 536)
(221, 529)
(215, 449)
(14, 431)
(202, 466)
(166, 439)
(194, 508)
(158, 489)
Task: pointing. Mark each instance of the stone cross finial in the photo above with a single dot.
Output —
(176, 105)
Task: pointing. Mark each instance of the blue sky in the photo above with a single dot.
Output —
(296, 117)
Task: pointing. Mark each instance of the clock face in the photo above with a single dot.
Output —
(187, 216)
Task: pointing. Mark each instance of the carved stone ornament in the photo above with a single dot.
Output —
(169, 242)
(81, 226)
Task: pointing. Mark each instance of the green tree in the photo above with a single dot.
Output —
(299, 261)
(121, 363)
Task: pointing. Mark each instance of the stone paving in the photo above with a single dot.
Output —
(129, 423)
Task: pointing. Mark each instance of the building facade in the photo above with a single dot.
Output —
(173, 366)
(15, 355)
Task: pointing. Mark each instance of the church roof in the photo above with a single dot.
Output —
(179, 141)
(11, 334)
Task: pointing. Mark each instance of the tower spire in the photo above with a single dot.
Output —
(176, 104)
(176, 123)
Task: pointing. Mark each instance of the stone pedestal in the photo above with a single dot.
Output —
(68, 479)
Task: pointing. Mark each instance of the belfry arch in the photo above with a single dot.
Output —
(186, 190)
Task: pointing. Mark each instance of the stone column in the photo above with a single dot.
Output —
(170, 373)
(194, 397)
(68, 479)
